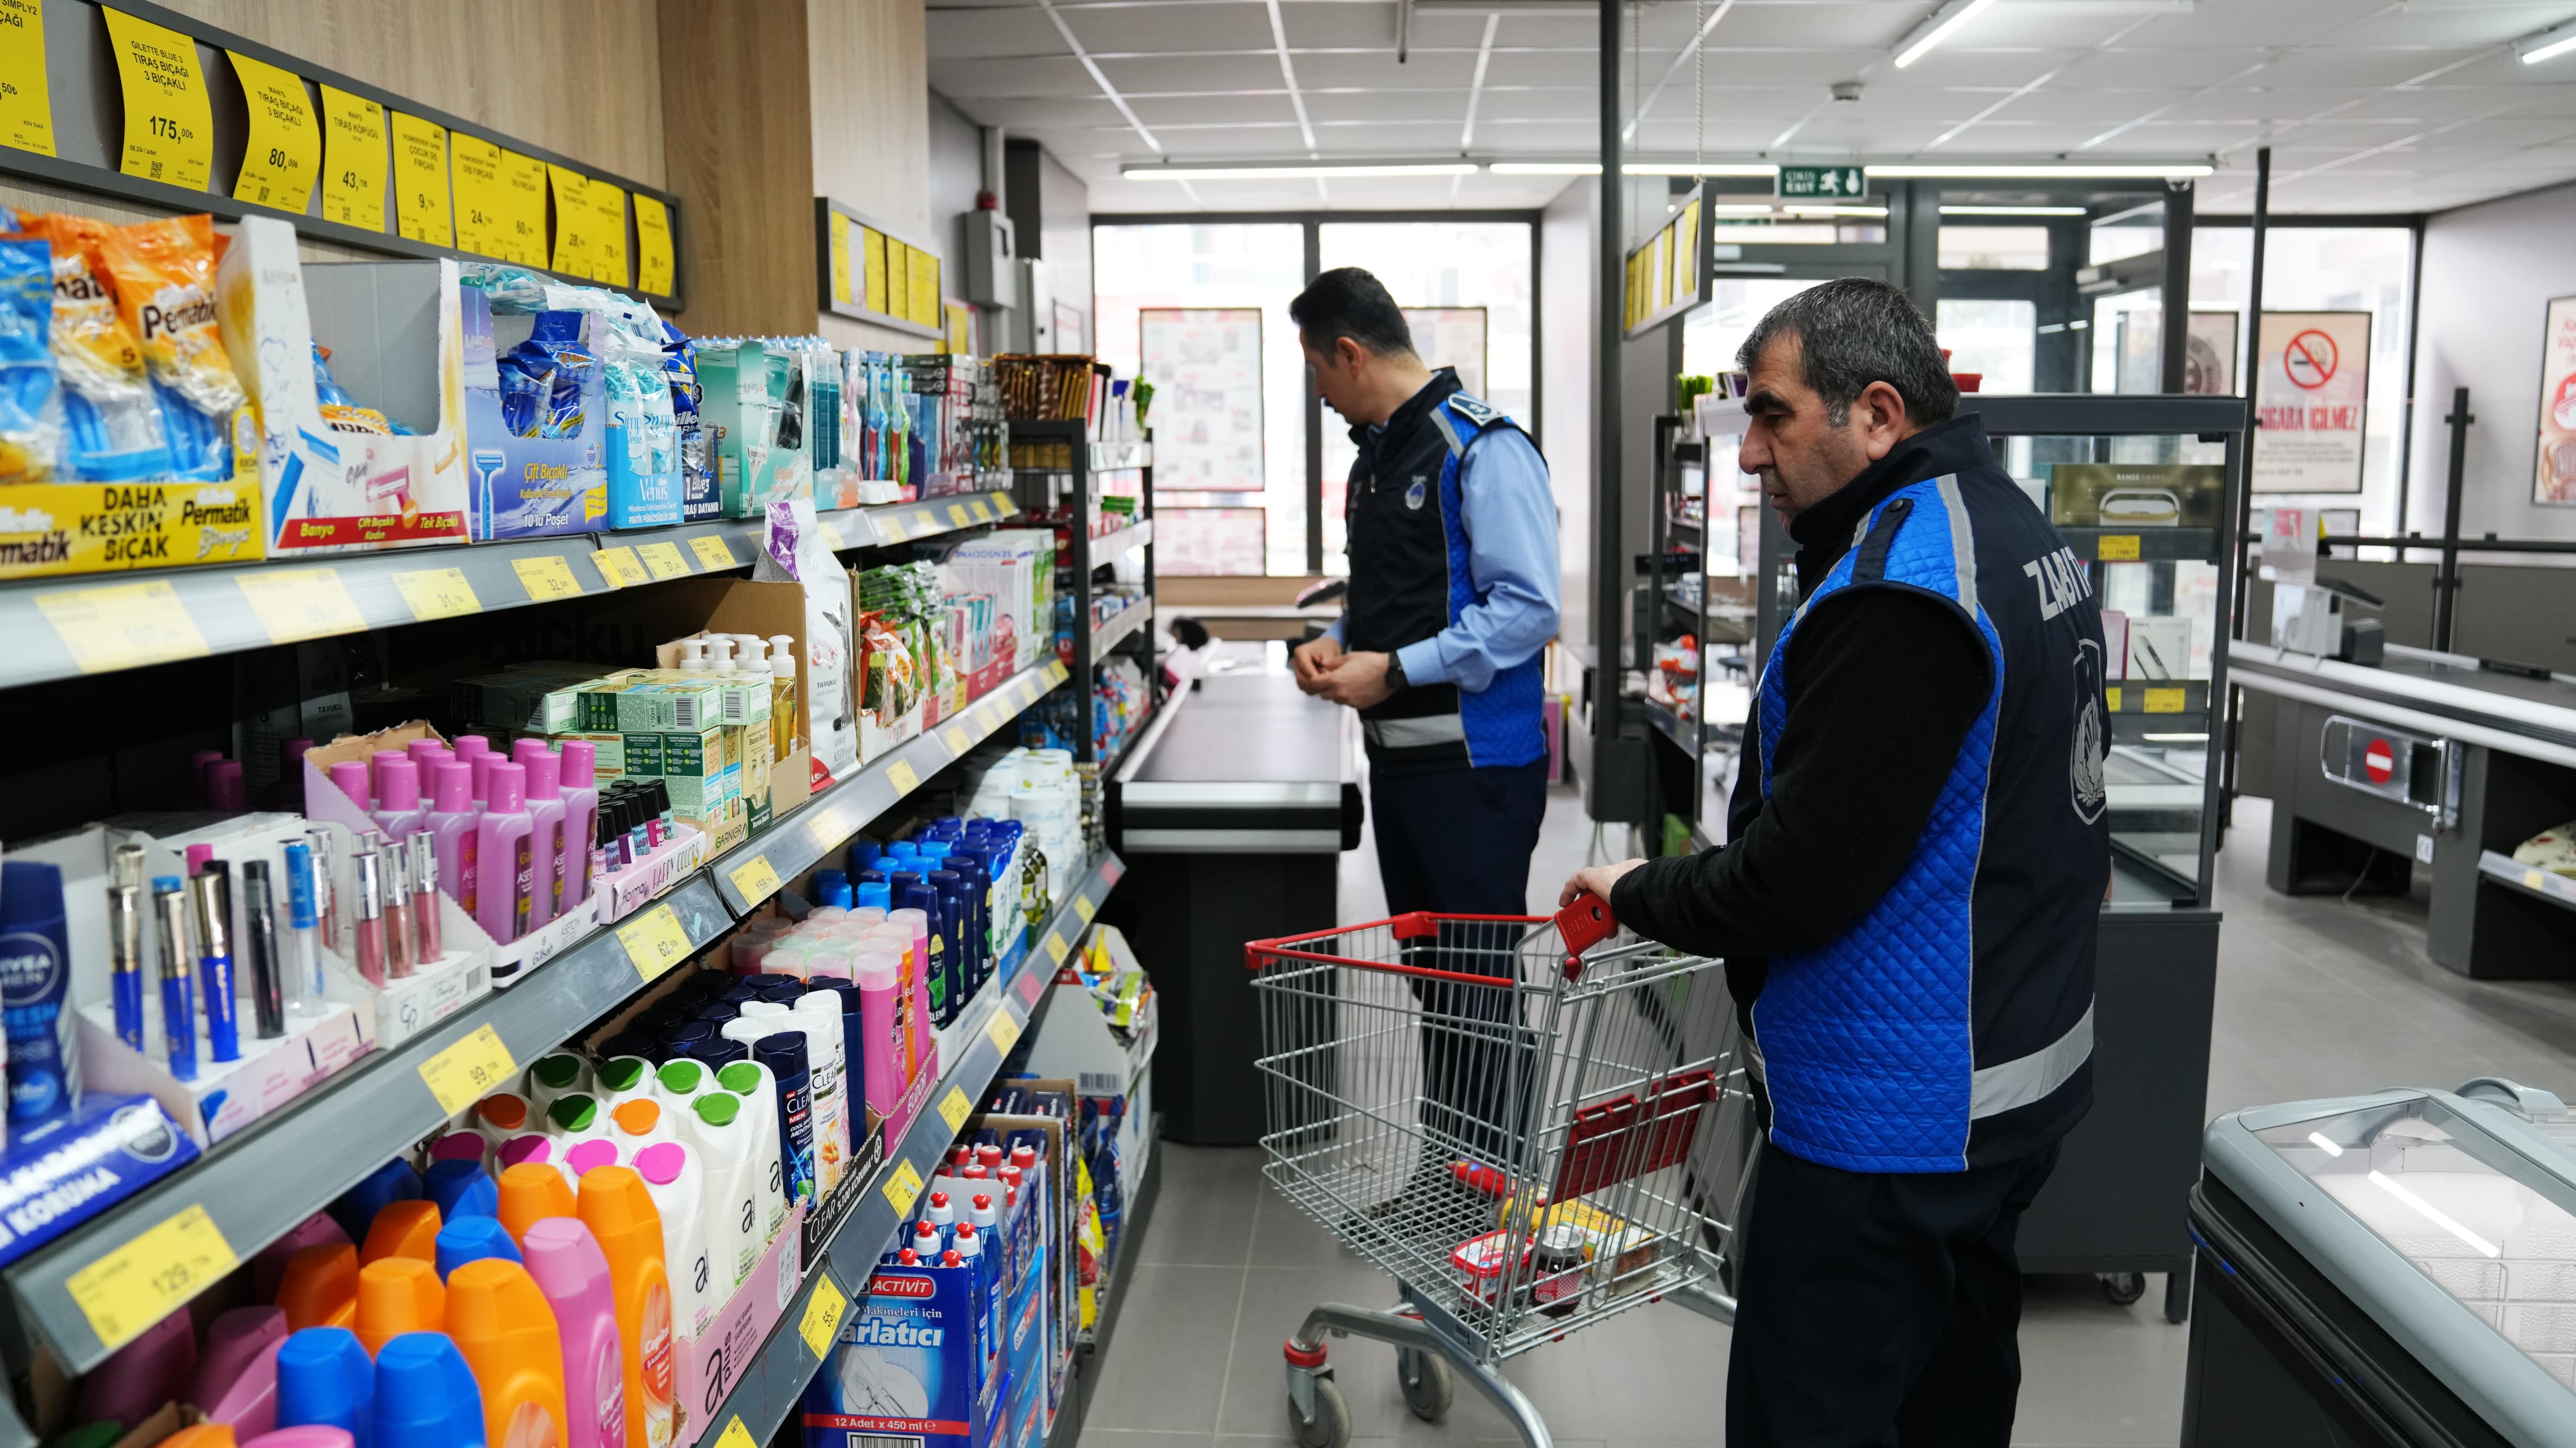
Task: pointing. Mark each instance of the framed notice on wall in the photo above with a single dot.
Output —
(1205, 364)
(2311, 391)
(2554, 480)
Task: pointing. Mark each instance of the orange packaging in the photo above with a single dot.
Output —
(402, 1229)
(531, 1191)
(164, 273)
(320, 1288)
(92, 344)
(619, 1211)
(398, 1295)
(203, 1435)
(501, 1322)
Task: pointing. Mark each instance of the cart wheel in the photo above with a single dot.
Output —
(2122, 1288)
(1427, 1385)
(1330, 1427)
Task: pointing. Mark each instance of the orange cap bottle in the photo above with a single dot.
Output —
(402, 1229)
(531, 1192)
(619, 1211)
(398, 1295)
(203, 1435)
(320, 1288)
(501, 1322)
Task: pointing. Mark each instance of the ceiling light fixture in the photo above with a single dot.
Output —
(1544, 168)
(2548, 44)
(1798, 209)
(2012, 211)
(1693, 168)
(1306, 171)
(2012, 172)
(1939, 26)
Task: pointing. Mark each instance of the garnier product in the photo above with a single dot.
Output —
(506, 1331)
(568, 1266)
(619, 1212)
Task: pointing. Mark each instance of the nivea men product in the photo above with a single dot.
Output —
(35, 976)
(64, 1171)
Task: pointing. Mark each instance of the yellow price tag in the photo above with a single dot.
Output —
(900, 774)
(523, 185)
(26, 100)
(1056, 948)
(300, 603)
(2116, 547)
(654, 941)
(735, 1435)
(828, 830)
(831, 532)
(438, 592)
(546, 578)
(1082, 907)
(712, 552)
(655, 271)
(890, 527)
(923, 522)
(482, 198)
(1003, 504)
(954, 1108)
(353, 160)
(903, 1188)
(872, 269)
(122, 626)
(608, 234)
(576, 225)
(1004, 1031)
(2165, 701)
(169, 123)
(663, 560)
(822, 1320)
(1056, 672)
(957, 515)
(2533, 880)
(982, 510)
(421, 206)
(139, 1283)
(284, 152)
(840, 260)
(958, 742)
(2111, 698)
(619, 567)
(468, 1071)
(754, 879)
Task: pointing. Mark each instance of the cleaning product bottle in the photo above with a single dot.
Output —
(547, 846)
(580, 787)
(567, 1264)
(586, 1157)
(881, 1061)
(783, 1055)
(320, 1287)
(676, 1180)
(403, 1229)
(532, 1191)
(269, 1267)
(426, 1396)
(471, 1239)
(751, 1081)
(733, 1195)
(324, 1377)
(249, 1406)
(138, 1378)
(307, 1435)
(200, 1435)
(505, 849)
(236, 1341)
(355, 1209)
(677, 1083)
(556, 1075)
(395, 1296)
(451, 828)
(506, 1331)
(461, 1188)
(503, 1115)
(619, 1212)
(622, 1079)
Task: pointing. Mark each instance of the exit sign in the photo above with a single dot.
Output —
(1808, 183)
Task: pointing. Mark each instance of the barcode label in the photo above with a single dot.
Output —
(685, 714)
(880, 1440)
(1101, 1083)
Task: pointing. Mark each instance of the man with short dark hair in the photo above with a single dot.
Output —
(1909, 894)
(1452, 596)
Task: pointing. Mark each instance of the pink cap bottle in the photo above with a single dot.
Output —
(354, 782)
(198, 759)
(398, 808)
(505, 855)
(236, 1378)
(224, 786)
(138, 1378)
(304, 1435)
(565, 1259)
(376, 768)
(580, 764)
(419, 751)
(546, 820)
(451, 820)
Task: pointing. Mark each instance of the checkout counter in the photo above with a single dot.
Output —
(2432, 759)
(1231, 812)
(2397, 1268)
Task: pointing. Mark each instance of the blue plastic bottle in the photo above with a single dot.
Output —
(917, 895)
(35, 974)
(426, 1396)
(323, 1376)
(356, 1209)
(955, 915)
(471, 1239)
(461, 1189)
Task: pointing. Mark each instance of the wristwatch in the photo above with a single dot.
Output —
(1396, 682)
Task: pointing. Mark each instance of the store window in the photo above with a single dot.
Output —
(1994, 248)
(1711, 334)
(1993, 341)
(1203, 284)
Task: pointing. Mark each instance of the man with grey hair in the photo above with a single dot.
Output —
(1908, 897)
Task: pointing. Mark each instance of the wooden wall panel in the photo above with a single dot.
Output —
(867, 65)
(741, 163)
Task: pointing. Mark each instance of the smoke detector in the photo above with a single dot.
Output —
(1846, 90)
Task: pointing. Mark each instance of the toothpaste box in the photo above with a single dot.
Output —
(913, 1363)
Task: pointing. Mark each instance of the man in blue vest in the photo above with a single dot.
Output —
(1452, 596)
(1907, 901)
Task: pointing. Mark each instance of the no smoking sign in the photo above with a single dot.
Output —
(2311, 359)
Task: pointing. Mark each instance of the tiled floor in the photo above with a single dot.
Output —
(2315, 997)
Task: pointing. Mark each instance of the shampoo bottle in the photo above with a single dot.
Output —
(676, 1181)
(580, 785)
(751, 1081)
(782, 1055)
(568, 1266)
(619, 1212)
(547, 845)
(505, 1329)
(734, 1199)
(398, 809)
(505, 852)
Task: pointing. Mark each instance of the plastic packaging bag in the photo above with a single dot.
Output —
(110, 419)
(164, 273)
(28, 420)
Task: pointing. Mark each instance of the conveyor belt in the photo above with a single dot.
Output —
(2419, 688)
(1241, 761)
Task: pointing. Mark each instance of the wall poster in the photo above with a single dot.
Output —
(1205, 364)
(2311, 391)
(2554, 481)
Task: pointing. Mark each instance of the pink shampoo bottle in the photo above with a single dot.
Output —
(581, 818)
(398, 808)
(546, 815)
(451, 829)
(505, 855)
(573, 1273)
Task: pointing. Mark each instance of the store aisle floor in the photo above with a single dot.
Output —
(2315, 997)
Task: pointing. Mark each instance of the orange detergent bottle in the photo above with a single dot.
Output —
(203, 1435)
(402, 1229)
(398, 1295)
(500, 1320)
(320, 1288)
(531, 1192)
(619, 1211)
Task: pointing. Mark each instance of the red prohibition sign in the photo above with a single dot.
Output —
(2311, 359)
(2378, 761)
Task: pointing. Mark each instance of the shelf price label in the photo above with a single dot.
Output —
(576, 225)
(954, 1108)
(139, 1283)
(546, 578)
(900, 774)
(982, 510)
(620, 567)
(957, 516)
(1030, 987)
(284, 152)
(754, 879)
(839, 231)
(957, 740)
(903, 1188)
(439, 593)
(122, 626)
(608, 233)
(301, 603)
(169, 123)
(654, 941)
(1004, 1031)
(1082, 907)
(712, 552)
(831, 532)
(523, 182)
(2165, 701)
(655, 270)
(2116, 547)
(822, 1320)
(421, 207)
(663, 560)
(1056, 950)
(469, 1070)
(890, 527)
(353, 160)
(482, 198)
(26, 99)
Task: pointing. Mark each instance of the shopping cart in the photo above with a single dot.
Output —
(1529, 1124)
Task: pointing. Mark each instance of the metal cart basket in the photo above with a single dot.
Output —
(1529, 1123)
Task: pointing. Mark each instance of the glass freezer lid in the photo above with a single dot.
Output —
(2487, 1225)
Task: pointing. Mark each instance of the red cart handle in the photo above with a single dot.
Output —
(1582, 925)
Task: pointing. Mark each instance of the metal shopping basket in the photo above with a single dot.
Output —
(1530, 1124)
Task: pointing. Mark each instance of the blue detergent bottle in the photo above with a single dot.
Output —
(323, 1376)
(471, 1239)
(426, 1396)
(356, 1208)
(461, 1189)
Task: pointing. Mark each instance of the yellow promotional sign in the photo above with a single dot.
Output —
(482, 197)
(872, 269)
(169, 124)
(353, 160)
(923, 289)
(469, 1070)
(576, 225)
(840, 260)
(655, 268)
(57, 528)
(421, 206)
(608, 233)
(524, 177)
(284, 152)
(26, 98)
(898, 279)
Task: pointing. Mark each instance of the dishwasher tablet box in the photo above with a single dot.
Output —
(912, 1364)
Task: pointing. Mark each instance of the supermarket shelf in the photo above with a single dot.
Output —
(1671, 726)
(893, 523)
(255, 1186)
(750, 872)
(1109, 457)
(1082, 1379)
(2504, 870)
(1110, 547)
(770, 1388)
(1105, 636)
